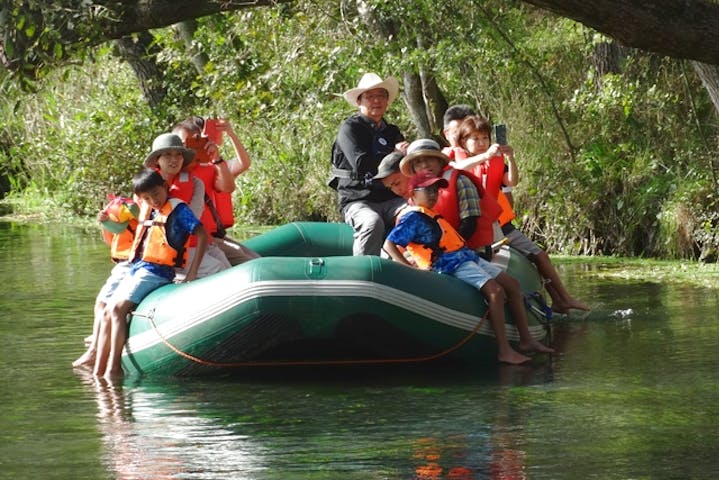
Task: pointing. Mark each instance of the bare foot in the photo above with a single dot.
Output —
(576, 304)
(513, 357)
(86, 360)
(535, 346)
(113, 375)
(560, 308)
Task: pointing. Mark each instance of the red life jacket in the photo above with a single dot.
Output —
(448, 207)
(183, 188)
(223, 203)
(492, 174)
(208, 174)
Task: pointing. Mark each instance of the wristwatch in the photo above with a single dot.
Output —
(218, 161)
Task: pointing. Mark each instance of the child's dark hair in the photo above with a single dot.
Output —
(193, 124)
(457, 112)
(145, 180)
(471, 124)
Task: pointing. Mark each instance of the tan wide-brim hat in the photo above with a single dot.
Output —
(424, 147)
(371, 81)
(168, 142)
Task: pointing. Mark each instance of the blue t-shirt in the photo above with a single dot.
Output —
(181, 223)
(416, 227)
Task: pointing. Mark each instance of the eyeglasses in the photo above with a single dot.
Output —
(375, 96)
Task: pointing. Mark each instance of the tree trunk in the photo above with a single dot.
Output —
(607, 58)
(186, 31)
(136, 51)
(421, 94)
(709, 75)
(414, 99)
(436, 103)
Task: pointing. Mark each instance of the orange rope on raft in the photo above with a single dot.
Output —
(370, 361)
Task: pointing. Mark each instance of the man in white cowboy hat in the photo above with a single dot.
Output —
(362, 141)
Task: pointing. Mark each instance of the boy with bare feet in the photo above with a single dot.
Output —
(159, 247)
(434, 244)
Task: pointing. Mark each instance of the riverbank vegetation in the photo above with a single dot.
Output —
(616, 147)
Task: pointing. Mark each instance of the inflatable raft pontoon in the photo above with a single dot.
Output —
(308, 301)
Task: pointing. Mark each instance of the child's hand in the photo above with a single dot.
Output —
(494, 150)
(223, 125)
(507, 151)
(212, 151)
(102, 216)
(402, 147)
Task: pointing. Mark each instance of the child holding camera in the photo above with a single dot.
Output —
(486, 160)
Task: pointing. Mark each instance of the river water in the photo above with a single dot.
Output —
(634, 394)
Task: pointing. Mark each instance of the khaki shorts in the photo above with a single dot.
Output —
(519, 241)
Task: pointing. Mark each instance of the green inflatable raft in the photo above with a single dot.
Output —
(308, 301)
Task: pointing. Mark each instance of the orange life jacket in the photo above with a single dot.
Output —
(157, 248)
(121, 243)
(450, 241)
(120, 210)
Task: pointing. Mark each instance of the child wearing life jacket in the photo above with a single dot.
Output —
(435, 245)
(218, 177)
(191, 190)
(464, 204)
(486, 160)
(159, 247)
(119, 222)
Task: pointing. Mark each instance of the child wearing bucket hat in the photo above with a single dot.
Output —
(434, 245)
(362, 141)
(464, 205)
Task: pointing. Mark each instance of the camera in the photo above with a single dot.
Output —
(211, 131)
(500, 134)
(198, 143)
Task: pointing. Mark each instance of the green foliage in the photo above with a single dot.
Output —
(37, 35)
(81, 137)
(611, 164)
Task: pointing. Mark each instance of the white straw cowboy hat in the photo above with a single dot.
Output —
(371, 81)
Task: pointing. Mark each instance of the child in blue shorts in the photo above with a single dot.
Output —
(434, 244)
(159, 246)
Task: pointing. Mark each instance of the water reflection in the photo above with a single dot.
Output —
(632, 395)
(146, 435)
(380, 427)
